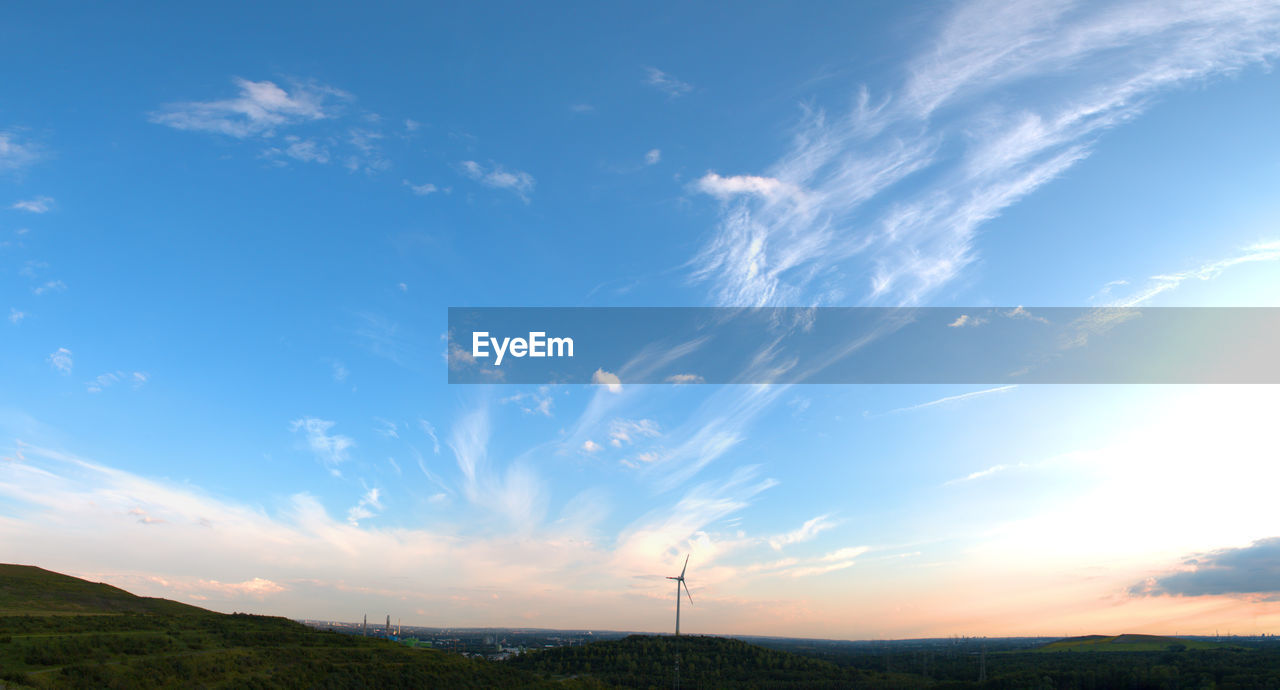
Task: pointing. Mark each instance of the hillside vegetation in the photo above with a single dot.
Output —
(648, 661)
(62, 632)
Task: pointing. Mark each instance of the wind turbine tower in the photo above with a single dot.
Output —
(680, 583)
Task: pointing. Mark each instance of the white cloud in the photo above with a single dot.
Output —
(964, 320)
(605, 378)
(259, 109)
(665, 82)
(330, 449)
(16, 153)
(819, 569)
(421, 189)
(40, 204)
(626, 431)
(430, 431)
(48, 287)
(994, 469)
(61, 360)
(519, 182)
(368, 506)
(104, 381)
(954, 399)
(653, 157)
(846, 553)
(589, 446)
(305, 150)
(386, 428)
(680, 379)
(1019, 312)
(338, 371)
(15, 316)
(1158, 284)
(257, 587)
(411, 125)
(810, 529)
(750, 185)
(537, 402)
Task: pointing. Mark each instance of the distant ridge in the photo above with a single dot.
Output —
(27, 589)
(1129, 642)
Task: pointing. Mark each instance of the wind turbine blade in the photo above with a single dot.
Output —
(686, 566)
(686, 592)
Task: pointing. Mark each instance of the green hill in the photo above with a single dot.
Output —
(1127, 643)
(26, 589)
(58, 631)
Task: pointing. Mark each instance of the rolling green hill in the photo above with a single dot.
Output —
(1127, 643)
(58, 631)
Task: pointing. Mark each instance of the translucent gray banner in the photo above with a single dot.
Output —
(864, 345)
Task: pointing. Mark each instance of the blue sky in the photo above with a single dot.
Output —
(229, 236)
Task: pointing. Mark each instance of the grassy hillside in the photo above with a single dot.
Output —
(61, 632)
(26, 589)
(1127, 643)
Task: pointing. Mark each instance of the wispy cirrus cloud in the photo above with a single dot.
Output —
(61, 360)
(960, 113)
(627, 431)
(301, 120)
(16, 152)
(424, 189)
(518, 182)
(40, 204)
(331, 449)
(259, 109)
(806, 532)
(1166, 282)
(368, 506)
(666, 83)
(953, 399)
(48, 287)
(517, 494)
(103, 381)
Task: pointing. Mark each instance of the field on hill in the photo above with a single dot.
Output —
(1128, 643)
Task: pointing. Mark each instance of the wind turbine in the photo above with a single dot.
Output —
(680, 583)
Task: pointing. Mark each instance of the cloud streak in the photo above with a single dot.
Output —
(260, 108)
(960, 114)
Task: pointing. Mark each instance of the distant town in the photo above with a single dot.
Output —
(500, 644)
